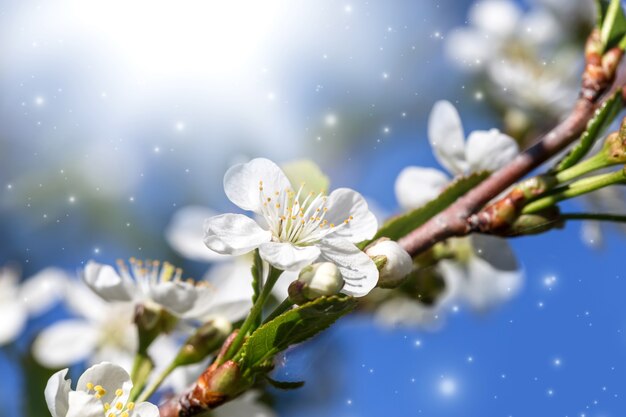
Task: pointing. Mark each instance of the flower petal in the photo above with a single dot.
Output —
(496, 251)
(175, 296)
(233, 234)
(232, 296)
(43, 290)
(280, 290)
(82, 404)
(497, 18)
(288, 257)
(241, 182)
(416, 186)
(57, 392)
(358, 270)
(480, 284)
(65, 343)
(111, 377)
(445, 133)
(107, 283)
(185, 234)
(346, 204)
(404, 311)
(490, 150)
(146, 409)
(13, 318)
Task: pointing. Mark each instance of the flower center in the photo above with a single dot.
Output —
(152, 273)
(116, 408)
(292, 220)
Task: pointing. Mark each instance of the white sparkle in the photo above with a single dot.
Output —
(385, 75)
(96, 250)
(549, 282)
(557, 362)
(179, 126)
(330, 119)
(447, 387)
(418, 343)
(348, 8)
(39, 101)
(9, 186)
(478, 95)
(71, 199)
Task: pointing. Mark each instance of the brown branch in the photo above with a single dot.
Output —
(454, 221)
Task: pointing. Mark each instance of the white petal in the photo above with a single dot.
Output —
(416, 186)
(107, 283)
(146, 409)
(469, 47)
(358, 270)
(344, 203)
(404, 311)
(233, 234)
(111, 377)
(498, 18)
(13, 318)
(82, 404)
(185, 234)
(65, 343)
(481, 285)
(43, 290)
(82, 301)
(241, 182)
(490, 150)
(288, 257)
(232, 298)
(495, 251)
(57, 392)
(445, 133)
(177, 297)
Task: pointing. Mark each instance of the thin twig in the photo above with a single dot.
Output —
(453, 221)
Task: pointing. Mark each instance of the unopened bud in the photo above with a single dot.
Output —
(535, 223)
(398, 263)
(314, 281)
(615, 146)
(151, 321)
(206, 339)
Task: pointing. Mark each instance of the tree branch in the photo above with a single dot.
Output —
(454, 221)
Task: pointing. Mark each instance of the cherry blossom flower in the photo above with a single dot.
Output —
(484, 272)
(152, 284)
(482, 151)
(101, 391)
(294, 229)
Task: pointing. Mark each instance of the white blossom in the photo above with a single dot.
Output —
(482, 151)
(150, 283)
(295, 229)
(101, 391)
(484, 271)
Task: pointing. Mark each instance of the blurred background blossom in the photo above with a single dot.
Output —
(119, 119)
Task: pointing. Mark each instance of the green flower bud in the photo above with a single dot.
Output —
(206, 339)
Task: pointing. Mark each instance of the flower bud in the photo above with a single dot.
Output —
(206, 339)
(615, 146)
(315, 281)
(398, 262)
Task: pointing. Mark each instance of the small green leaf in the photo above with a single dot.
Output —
(401, 225)
(308, 173)
(613, 26)
(600, 121)
(285, 385)
(292, 327)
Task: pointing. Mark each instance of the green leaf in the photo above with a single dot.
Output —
(292, 327)
(601, 120)
(308, 173)
(285, 385)
(613, 26)
(401, 225)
